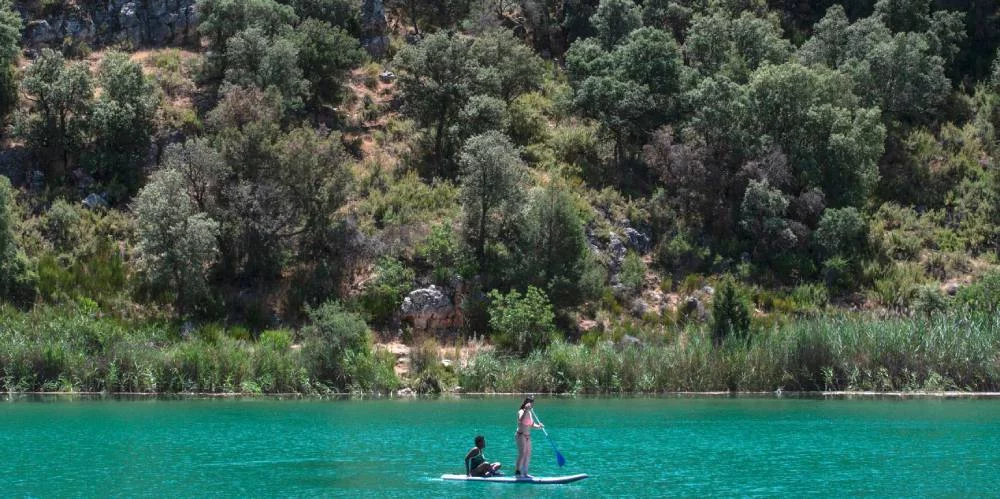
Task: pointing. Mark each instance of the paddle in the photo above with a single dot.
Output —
(559, 457)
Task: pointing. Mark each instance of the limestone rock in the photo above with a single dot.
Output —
(151, 23)
(374, 28)
(431, 309)
(637, 240)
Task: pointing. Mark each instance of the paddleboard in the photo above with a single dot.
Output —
(509, 479)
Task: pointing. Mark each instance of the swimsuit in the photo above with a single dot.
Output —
(476, 460)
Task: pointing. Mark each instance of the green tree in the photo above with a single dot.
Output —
(491, 177)
(841, 232)
(831, 141)
(521, 324)
(343, 14)
(435, 81)
(203, 168)
(652, 58)
(122, 121)
(734, 46)
(896, 57)
(730, 314)
(480, 115)
(629, 90)
(614, 20)
(506, 66)
(555, 245)
(619, 106)
(325, 55)
(177, 245)
(255, 59)
(10, 38)
(763, 217)
(61, 96)
(220, 20)
(18, 282)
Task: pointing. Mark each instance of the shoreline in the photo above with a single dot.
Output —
(706, 394)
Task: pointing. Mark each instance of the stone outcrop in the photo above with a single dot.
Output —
(141, 23)
(374, 28)
(431, 309)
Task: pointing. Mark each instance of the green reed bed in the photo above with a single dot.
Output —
(58, 350)
(849, 352)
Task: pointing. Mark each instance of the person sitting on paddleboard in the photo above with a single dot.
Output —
(525, 422)
(475, 461)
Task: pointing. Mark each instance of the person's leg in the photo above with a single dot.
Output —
(481, 469)
(527, 458)
(495, 467)
(520, 454)
(519, 465)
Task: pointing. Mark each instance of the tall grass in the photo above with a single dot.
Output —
(851, 352)
(69, 350)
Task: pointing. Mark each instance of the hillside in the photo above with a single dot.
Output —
(594, 196)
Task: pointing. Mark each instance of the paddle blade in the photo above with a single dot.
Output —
(560, 459)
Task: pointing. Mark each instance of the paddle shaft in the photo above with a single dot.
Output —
(560, 460)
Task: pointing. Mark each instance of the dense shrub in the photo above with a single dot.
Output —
(521, 324)
(384, 294)
(331, 339)
(730, 314)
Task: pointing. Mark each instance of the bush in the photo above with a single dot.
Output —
(332, 337)
(384, 295)
(929, 300)
(521, 323)
(839, 274)
(730, 313)
(679, 255)
(983, 295)
(841, 232)
(633, 273)
(527, 123)
(443, 252)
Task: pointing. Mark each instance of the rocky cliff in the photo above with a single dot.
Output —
(141, 23)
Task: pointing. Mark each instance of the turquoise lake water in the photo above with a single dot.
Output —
(631, 447)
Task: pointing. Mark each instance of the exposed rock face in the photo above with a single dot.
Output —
(374, 28)
(637, 240)
(431, 309)
(143, 23)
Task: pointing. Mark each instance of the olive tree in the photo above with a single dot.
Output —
(177, 244)
(491, 177)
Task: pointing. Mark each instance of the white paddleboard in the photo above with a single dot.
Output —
(510, 479)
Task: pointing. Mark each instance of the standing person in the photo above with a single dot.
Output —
(475, 461)
(525, 422)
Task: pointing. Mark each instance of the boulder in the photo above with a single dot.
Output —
(617, 250)
(638, 308)
(94, 201)
(431, 309)
(629, 341)
(637, 240)
(694, 308)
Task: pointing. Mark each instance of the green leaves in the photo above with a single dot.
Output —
(730, 313)
(325, 54)
(521, 323)
(492, 173)
(177, 244)
(614, 20)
